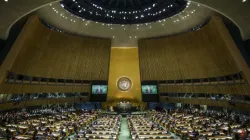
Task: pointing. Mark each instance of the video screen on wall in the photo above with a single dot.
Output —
(99, 89)
(149, 89)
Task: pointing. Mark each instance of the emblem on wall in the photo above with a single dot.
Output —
(124, 84)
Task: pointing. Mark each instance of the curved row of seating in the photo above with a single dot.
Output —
(58, 124)
(105, 127)
(202, 125)
(54, 126)
(142, 128)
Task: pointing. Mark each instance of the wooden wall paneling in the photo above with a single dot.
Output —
(198, 54)
(3, 89)
(232, 47)
(25, 34)
(51, 54)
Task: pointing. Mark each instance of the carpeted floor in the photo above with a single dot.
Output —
(124, 133)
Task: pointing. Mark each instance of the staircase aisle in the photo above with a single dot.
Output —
(124, 133)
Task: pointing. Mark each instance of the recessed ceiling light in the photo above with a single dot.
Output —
(121, 17)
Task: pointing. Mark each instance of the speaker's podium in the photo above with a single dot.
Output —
(123, 108)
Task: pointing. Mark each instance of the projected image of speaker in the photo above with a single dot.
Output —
(99, 89)
(149, 89)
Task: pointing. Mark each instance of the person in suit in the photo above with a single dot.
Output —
(148, 90)
(99, 90)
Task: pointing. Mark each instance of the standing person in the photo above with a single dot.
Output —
(137, 137)
(8, 134)
(99, 90)
(152, 127)
(236, 136)
(35, 133)
(148, 90)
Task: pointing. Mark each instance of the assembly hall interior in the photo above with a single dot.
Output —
(124, 70)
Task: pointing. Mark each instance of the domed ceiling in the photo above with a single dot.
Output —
(235, 10)
(124, 11)
(124, 35)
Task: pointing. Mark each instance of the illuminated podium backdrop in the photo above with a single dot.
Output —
(124, 106)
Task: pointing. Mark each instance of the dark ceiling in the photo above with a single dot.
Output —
(124, 4)
(124, 11)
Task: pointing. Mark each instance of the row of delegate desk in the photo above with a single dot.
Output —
(190, 126)
(142, 128)
(104, 127)
(48, 127)
(65, 125)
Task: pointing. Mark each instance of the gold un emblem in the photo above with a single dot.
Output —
(124, 84)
